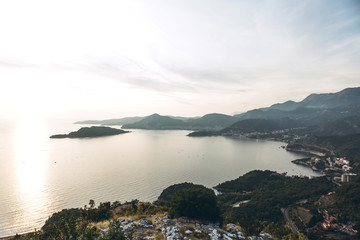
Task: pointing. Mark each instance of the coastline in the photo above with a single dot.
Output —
(14, 235)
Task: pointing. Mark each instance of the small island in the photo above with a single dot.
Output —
(89, 132)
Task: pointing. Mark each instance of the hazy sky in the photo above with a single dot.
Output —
(103, 59)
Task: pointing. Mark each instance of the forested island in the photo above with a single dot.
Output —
(89, 132)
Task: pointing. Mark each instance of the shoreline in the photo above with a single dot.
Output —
(14, 235)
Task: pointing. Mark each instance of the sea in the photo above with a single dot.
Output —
(40, 176)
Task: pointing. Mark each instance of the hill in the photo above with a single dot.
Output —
(341, 99)
(212, 121)
(116, 121)
(250, 126)
(169, 192)
(341, 127)
(315, 109)
(261, 125)
(157, 122)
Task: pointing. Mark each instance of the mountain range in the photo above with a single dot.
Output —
(326, 114)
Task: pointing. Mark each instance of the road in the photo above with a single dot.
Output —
(285, 211)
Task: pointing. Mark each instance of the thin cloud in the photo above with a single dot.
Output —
(198, 54)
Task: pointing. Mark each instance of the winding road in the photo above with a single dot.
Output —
(285, 211)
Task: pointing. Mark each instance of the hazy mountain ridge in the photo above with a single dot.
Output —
(314, 115)
(314, 109)
(262, 125)
(115, 121)
(319, 110)
(156, 122)
(340, 127)
(213, 121)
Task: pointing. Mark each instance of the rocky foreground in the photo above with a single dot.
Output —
(146, 226)
(160, 226)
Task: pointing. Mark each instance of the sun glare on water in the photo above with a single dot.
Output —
(31, 165)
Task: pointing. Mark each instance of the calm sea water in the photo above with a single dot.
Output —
(39, 176)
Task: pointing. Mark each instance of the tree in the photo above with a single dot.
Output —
(92, 203)
(91, 233)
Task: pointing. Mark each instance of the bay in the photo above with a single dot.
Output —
(39, 175)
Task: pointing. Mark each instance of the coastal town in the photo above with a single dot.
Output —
(337, 168)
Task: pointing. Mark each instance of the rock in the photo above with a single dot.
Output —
(230, 226)
(125, 220)
(168, 222)
(226, 237)
(265, 235)
(145, 223)
(172, 233)
(175, 236)
(214, 235)
(231, 235)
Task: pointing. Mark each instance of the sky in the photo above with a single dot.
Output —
(89, 59)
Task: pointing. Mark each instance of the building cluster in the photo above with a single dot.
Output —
(331, 224)
(347, 177)
(340, 163)
(336, 166)
(328, 220)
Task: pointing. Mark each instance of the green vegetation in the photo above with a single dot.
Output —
(168, 193)
(76, 223)
(254, 201)
(267, 193)
(195, 204)
(191, 200)
(115, 232)
(346, 202)
(250, 181)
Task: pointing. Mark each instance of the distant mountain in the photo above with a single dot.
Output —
(250, 126)
(185, 119)
(157, 122)
(316, 109)
(91, 132)
(344, 98)
(212, 121)
(118, 121)
(261, 125)
(341, 127)
(286, 106)
(341, 99)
